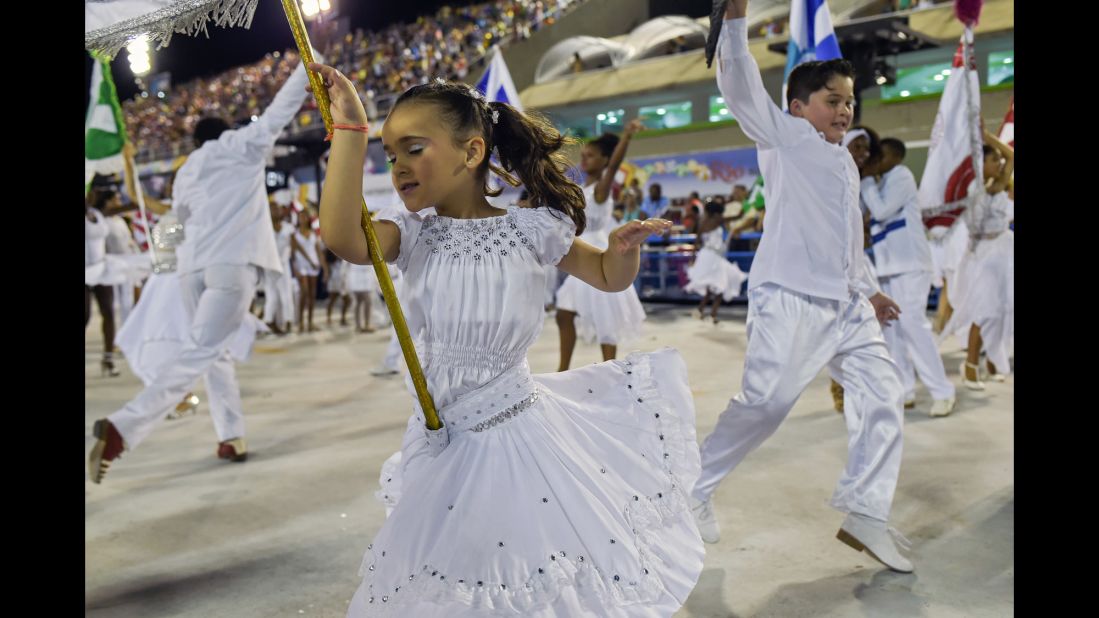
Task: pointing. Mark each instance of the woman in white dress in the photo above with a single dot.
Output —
(595, 315)
(338, 272)
(103, 271)
(984, 290)
(599, 457)
(362, 283)
(712, 275)
(306, 249)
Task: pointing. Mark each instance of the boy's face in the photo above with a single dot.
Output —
(829, 109)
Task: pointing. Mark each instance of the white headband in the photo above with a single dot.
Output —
(851, 136)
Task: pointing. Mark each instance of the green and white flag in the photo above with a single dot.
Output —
(104, 128)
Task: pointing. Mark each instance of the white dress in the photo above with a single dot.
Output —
(984, 287)
(308, 246)
(609, 318)
(102, 268)
(711, 271)
(561, 494)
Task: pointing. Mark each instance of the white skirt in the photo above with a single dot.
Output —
(984, 294)
(361, 278)
(611, 318)
(118, 269)
(711, 272)
(575, 505)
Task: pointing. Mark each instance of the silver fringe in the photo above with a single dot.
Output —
(188, 17)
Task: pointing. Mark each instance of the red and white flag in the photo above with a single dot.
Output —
(954, 155)
(1007, 129)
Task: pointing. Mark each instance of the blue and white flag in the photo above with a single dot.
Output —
(496, 82)
(811, 37)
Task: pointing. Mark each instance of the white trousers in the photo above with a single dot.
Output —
(791, 337)
(278, 305)
(910, 340)
(217, 299)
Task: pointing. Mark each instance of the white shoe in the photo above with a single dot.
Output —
(875, 538)
(383, 371)
(973, 385)
(707, 523)
(942, 407)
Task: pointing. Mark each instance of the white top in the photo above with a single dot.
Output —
(220, 191)
(987, 214)
(95, 238)
(308, 246)
(282, 241)
(895, 199)
(473, 292)
(600, 218)
(714, 240)
(813, 243)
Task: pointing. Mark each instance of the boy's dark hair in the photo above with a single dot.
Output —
(209, 128)
(896, 146)
(525, 143)
(809, 77)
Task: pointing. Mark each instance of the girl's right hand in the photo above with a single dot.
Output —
(346, 107)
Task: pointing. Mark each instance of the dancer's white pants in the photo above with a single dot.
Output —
(791, 337)
(217, 299)
(910, 340)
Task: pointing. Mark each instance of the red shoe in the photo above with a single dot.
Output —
(108, 447)
(233, 450)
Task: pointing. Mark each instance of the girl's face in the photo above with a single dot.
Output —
(993, 164)
(428, 168)
(860, 150)
(592, 159)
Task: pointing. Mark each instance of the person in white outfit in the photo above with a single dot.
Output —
(278, 309)
(306, 250)
(608, 318)
(984, 292)
(599, 456)
(811, 302)
(864, 144)
(120, 241)
(902, 258)
(219, 195)
(712, 275)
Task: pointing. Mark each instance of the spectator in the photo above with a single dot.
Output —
(656, 204)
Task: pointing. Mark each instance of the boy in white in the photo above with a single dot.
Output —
(219, 194)
(808, 300)
(903, 262)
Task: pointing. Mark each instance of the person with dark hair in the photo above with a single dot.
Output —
(712, 275)
(811, 303)
(220, 197)
(606, 318)
(864, 144)
(306, 251)
(902, 258)
(656, 204)
(598, 456)
(336, 281)
(278, 311)
(101, 272)
(984, 289)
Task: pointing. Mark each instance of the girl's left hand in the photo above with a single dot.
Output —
(636, 232)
